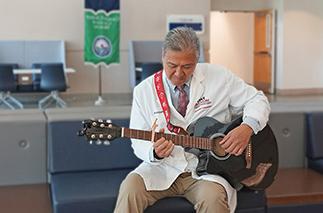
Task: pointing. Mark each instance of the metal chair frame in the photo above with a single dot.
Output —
(50, 99)
(8, 84)
(53, 97)
(6, 98)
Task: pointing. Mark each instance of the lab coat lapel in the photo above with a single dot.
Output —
(196, 92)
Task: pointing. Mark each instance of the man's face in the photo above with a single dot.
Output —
(179, 65)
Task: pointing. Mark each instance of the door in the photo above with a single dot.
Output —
(263, 73)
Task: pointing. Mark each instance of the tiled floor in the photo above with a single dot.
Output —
(25, 198)
(296, 186)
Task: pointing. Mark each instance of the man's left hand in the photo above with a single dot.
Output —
(237, 139)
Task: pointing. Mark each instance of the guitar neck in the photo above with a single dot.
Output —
(181, 140)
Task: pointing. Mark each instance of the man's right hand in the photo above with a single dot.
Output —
(162, 147)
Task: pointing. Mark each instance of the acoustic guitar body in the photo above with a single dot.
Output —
(261, 171)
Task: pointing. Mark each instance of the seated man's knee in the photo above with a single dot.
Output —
(133, 184)
(131, 196)
(219, 195)
(214, 197)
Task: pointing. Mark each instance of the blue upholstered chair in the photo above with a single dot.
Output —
(36, 76)
(7, 85)
(314, 145)
(52, 80)
(12, 65)
(150, 68)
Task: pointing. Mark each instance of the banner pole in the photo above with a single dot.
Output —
(100, 101)
(101, 37)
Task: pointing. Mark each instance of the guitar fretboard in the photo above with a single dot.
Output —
(182, 140)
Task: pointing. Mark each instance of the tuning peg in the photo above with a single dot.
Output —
(102, 125)
(80, 133)
(94, 123)
(98, 142)
(106, 143)
(100, 120)
(91, 142)
(86, 123)
(93, 136)
(108, 121)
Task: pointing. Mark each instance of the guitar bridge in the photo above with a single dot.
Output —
(261, 170)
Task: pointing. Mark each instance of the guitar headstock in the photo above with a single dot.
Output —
(100, 131)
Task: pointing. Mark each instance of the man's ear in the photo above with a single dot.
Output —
(163, 59)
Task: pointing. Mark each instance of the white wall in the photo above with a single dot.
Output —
(278, 5)
(299, 40)
(231, 42)
(247, 5)
(63, 19)
(253, 5)
(303, 44)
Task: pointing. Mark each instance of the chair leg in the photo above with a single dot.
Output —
(42, 101)
(48, 103)
(53, 96)
(3, 100)
(60, 101)
(14, 100)
(7, 104)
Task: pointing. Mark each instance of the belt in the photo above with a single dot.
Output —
(185, 174)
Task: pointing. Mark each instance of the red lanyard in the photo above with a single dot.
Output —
(158, 81)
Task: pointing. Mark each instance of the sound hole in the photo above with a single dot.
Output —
(216, 147)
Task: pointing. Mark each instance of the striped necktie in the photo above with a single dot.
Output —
(182, 100)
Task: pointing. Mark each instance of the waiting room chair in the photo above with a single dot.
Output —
(314, 145)
(150, 68)
(36, 76)
(12, 65)
(53, 80)
(7, 85)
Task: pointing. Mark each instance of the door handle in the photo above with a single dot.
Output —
(263, 53)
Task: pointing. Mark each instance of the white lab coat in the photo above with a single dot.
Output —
(224, 95)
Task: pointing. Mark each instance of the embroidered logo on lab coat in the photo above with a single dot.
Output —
(202, 104)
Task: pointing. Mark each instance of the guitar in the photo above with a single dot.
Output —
(255, 168)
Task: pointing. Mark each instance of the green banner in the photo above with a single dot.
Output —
(102, 37)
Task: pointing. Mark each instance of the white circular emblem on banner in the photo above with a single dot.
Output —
(102, 47)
